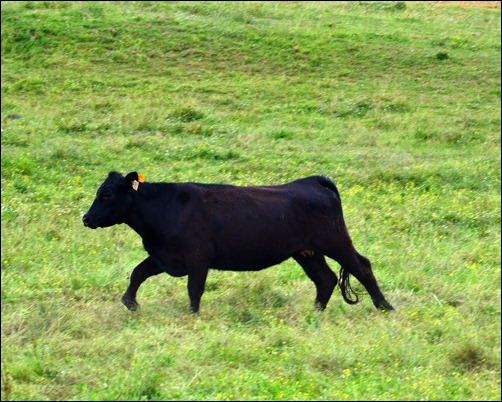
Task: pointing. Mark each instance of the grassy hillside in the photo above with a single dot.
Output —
(398, 102)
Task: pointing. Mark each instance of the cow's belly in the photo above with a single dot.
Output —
(255, 263)
(252, 254)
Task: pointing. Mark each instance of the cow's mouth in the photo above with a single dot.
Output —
(87, 222)
(90, 226)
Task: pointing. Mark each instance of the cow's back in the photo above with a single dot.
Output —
(255, 227)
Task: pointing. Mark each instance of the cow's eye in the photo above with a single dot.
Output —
(107, 197)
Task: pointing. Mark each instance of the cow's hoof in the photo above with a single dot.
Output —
(384, 305)
(131, 304)
(194, 309)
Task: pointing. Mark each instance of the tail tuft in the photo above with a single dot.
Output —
(348, 294)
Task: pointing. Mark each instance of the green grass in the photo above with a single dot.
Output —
(398, 102)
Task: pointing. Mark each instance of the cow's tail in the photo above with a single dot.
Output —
(348, 293)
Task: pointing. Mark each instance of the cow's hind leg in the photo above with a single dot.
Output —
(320, 273)
(148, 267)
(354, 263)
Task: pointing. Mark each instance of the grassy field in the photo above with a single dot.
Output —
(398, 102)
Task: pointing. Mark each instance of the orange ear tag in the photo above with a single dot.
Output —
(141, 177)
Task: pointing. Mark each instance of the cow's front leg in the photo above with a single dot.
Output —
(148, 267)
(196, 284)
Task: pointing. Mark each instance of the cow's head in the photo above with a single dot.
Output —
(113, 201)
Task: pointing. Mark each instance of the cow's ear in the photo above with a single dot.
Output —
(130, 178)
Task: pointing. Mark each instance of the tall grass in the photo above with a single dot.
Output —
(398, 102)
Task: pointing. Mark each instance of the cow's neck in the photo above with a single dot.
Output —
(136, 223)
(141, 219)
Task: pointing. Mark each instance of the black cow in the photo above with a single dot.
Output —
(188, 228)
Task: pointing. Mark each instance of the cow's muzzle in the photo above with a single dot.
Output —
(87, 222)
